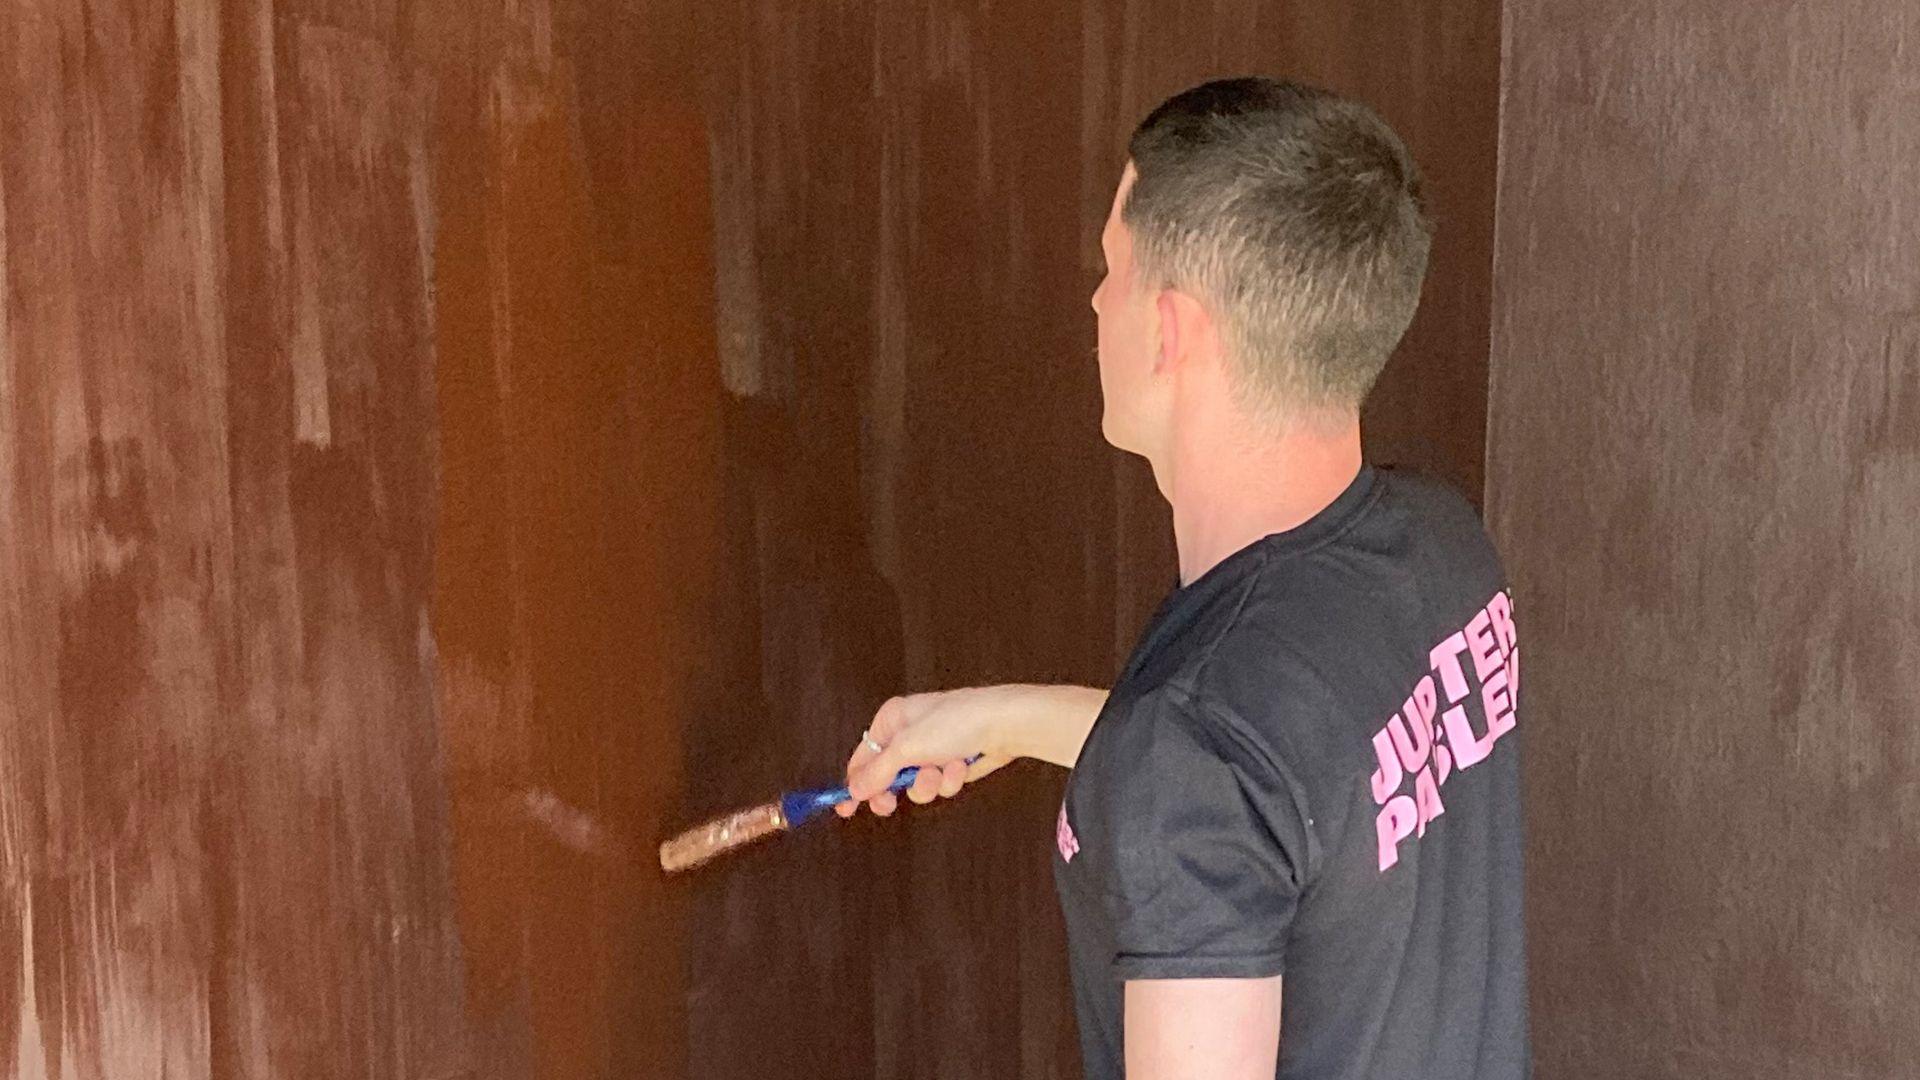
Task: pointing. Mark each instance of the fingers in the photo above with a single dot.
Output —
(869, 772)
(985, 765)
(902, 740)
(953, 776)
(926, 786)
(933, 783)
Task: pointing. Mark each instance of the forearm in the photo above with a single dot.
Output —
(1049, 723)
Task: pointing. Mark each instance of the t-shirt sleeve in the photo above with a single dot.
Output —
(1210, 845)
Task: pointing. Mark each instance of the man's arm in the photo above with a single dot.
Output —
(1054, 724)
(1203, 1029)
(939, 731)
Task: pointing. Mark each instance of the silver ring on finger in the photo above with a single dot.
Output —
(867, 740)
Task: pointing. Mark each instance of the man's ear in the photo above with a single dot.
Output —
(1185, 326)
(1172, 334)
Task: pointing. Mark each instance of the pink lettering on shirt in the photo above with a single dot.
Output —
(1394, 824)
(1445, 658)
(1413, 746)
(1482, 646)
(1423, 701)
(1498, 704)
(1501, 610)
(1063, 837)
(1386, 776)
(1426, 799)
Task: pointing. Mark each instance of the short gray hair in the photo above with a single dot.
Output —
(1296, 215)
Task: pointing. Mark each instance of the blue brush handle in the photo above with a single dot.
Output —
(800, 807)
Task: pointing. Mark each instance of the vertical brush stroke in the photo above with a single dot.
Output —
(223, 816)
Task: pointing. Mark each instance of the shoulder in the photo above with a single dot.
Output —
(1263, 669)
(1161, 722)
(1167, 744)
(1396, 568)
(1427, 518)
(1166, 778)
(1166, 739)
(1416, 488)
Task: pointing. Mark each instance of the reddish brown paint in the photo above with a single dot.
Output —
(1704, 468)
(908, 201)
(449, 446)
(580, 406)
(224, 816)
(245, 569)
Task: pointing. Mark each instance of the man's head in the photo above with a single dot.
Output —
(1268, 235)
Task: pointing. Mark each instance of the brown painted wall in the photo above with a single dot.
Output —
(579, 534)
(359, 447)
(446, 446)
(1704, 467)
(222, 799)
(908, 200)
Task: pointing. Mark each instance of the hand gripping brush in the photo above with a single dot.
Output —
(743, 827)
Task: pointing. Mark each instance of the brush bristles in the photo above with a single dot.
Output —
(697, 845)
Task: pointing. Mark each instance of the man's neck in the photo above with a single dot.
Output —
(1229, 490)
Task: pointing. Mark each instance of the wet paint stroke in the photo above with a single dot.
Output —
(580, 401)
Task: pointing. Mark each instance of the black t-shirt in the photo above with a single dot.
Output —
(1310, 769)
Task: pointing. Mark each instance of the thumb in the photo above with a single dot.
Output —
(871, 776)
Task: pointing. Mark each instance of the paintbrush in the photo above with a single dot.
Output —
(742, 827)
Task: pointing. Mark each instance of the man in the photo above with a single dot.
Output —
(1291, 843)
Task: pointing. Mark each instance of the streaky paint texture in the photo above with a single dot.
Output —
(907, 205)
(578, 538)
(353, 360)
(222, 801)
(1704, 466)
(448, 447)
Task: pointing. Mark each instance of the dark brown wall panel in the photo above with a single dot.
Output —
(1704, 468)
